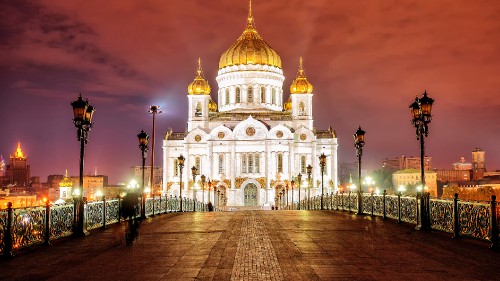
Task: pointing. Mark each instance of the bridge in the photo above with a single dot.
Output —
(333, 243)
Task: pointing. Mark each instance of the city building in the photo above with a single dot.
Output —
(65, 190)
(18, 171)
(453, 175)
(403, 162)
(411, 180)
(462, 165)
(252, 142)
(91, 184)
(157, 175)
(478, 163)
(2, 166)
(18, 199)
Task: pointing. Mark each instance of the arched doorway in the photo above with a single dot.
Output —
(250, 195)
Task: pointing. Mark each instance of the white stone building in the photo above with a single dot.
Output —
(251, 143)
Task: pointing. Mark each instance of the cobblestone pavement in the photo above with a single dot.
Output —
(259, 245)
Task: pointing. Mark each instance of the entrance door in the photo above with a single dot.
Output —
(250, 195)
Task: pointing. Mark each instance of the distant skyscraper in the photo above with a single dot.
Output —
(403, 162)
(18, 170)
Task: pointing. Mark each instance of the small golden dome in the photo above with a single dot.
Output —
(288, 104)
(300, 85)
(66, 182)
(200, 85)
(250, 48)
(212, 106)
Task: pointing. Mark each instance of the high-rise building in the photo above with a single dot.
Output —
(252, 142)
(157, 175)
(2, 166)
(18, 170)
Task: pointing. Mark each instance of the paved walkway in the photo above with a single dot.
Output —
(260, 245)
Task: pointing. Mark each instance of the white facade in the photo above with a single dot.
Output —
(253, 145)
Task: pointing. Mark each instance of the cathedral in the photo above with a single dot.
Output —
(251, 144)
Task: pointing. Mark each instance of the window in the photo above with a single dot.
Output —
(280, 163)
(257, 168)
(238, 95)
(244, 163)
(263, 94)
(303, 164)
(197, 165)
(302, 110)
(250, 94)
(273, 96)
(221, 163)
(176, 167)
(250, 163)
(227, 96)
(197, 111)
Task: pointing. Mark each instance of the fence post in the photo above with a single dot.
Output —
(456, 222)
(47, 224)
(103, 212)
(399, 207)
(119, 209)
(493, 224)
(373, 202)
(383, 204)
(7, 240)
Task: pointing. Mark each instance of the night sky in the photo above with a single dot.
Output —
(366, 59)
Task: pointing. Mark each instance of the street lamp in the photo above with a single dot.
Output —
(293, 186)
(309, 171)
(359, 142)
(203, 178)
(193, 172)
(82, 112)
(209, 190)
(143, 145)
(322, 163)
(285, 199)
(180, 161)
(420, 111)
(154, 109)
(299, 178)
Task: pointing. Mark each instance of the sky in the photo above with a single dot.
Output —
(367, 61)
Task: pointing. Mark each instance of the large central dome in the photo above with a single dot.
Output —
(250, 48)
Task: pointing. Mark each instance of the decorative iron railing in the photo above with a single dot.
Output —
(478, 220)
(38, 225)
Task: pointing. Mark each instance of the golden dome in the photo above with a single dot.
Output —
(212, 106)
(66, 182)
(300, 85)
(200, 85)
(250, 48)
(288, 104)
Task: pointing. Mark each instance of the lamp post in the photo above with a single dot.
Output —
(309, 171)
(143, 145)
(280, 201)
(82, 112)
(322, 163)
(359, 142)
(209, 182)
(420, 111)
(293, 186)
(180, 161)
(193, 172)
(218, 198)
(203, 178)
(154, 109)
(299, 178)
(285, 199)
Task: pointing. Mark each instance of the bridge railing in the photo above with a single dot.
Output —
(470, 219)
(24, 227)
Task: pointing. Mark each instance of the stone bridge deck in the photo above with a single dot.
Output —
(260, 245)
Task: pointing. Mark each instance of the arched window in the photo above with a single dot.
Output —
(197, 111)
(303, 164)
(250, 163)
(263, 94)
(250, 94)
(280, 163)
(257, 164)
(238, 95)
(176, 167)
(221, 163)
(243, 163)
(197, 165)
(273, 96)
(302, 110)
(227, 96)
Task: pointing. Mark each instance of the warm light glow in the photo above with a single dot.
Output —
(98, 194)
(76, 192)
(377, 191)
(419, 188)
(147, 190)
(133, 184)
(401, 188)
(352, 187)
